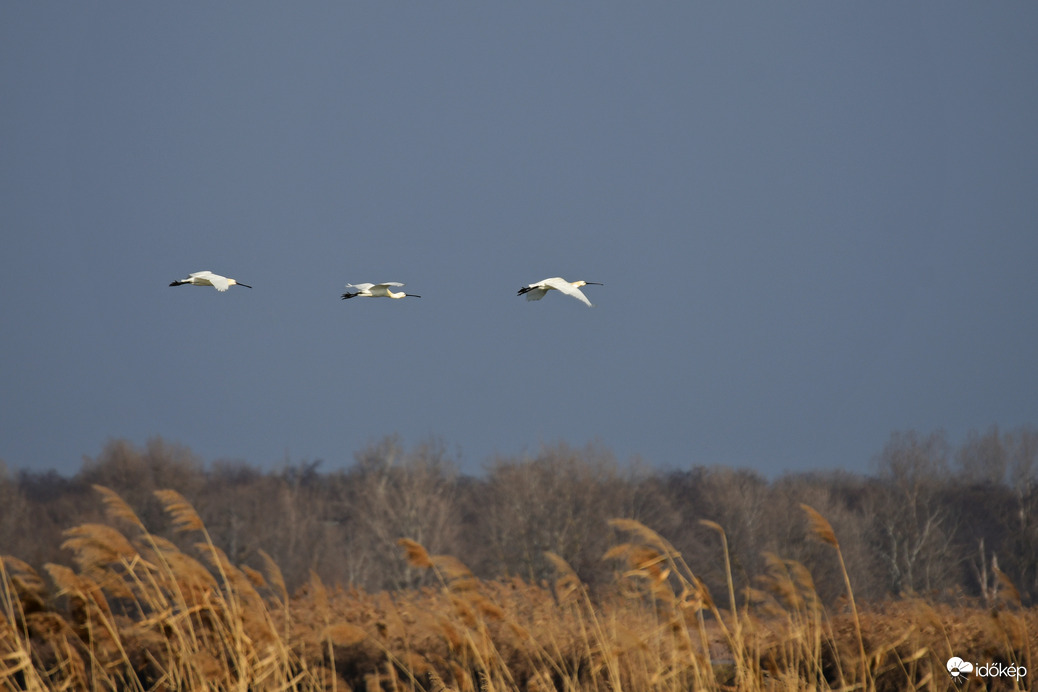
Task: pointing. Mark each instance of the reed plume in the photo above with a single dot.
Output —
(137, 612)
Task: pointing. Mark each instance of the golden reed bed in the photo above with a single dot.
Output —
(139, 613)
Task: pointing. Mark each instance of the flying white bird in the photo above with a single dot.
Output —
(207, 278)
(375, 291)
(571, 288)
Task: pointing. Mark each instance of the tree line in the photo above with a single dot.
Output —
(930, 518)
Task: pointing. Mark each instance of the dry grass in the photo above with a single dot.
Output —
(137, 613)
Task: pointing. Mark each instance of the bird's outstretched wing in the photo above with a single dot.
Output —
(360, 288)
(569, 289)
(387, 284)
(220, 283)
(536, 291)
(533, 292)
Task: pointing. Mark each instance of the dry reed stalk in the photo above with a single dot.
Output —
(184, 516)
(274, 576)
(102, 630)
(16, 649)
(823, 530)
(801, 617)
(592, 631)
(19, 672)
(168, 574)
(468, 632)
(320, 595)
(118, 508)
(547, 650)
(695, 597)
(642, 531)
(27, 584)
(228, 610)
(227, 613)
(415, 553)
(734, 634)
(181, 630)
(1007, 591)
(98, 545)
(277, 579)
(344, 634)
(113, 568)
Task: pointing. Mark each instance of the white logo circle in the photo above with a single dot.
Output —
(956, 666)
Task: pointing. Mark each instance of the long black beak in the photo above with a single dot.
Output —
(593, 283)
(239, 283)
(412, 295)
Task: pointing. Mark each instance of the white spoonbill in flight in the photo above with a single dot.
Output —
(207, 278)
(571, 288)
(375, 291)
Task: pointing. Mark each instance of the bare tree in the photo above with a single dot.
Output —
(917, 525)
(1021, 554)
(833, 495)
(913, 528)
(738, 500)
(392, 494)
(559, 501)
(15, 516)
(983, 459)
(135, 474)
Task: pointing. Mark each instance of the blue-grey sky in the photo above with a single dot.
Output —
(817, 223)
